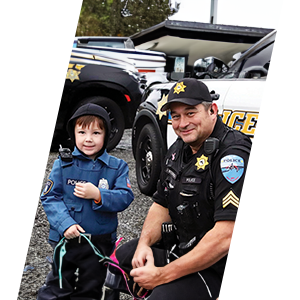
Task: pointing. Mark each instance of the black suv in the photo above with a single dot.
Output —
(109, 82)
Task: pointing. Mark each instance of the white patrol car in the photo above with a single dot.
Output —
(240, 91)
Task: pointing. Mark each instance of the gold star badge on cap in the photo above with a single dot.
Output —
(179, 87)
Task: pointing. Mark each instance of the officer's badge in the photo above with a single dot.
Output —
(232, 167)
(231, 198)
(103, 184)
(48, 187)
(179, 87)
(202, 162)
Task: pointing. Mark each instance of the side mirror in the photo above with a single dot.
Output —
(254, 72)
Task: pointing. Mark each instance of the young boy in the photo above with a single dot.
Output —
(83, 194)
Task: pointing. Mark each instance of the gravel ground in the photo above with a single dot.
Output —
(39, 254)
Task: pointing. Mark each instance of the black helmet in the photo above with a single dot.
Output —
(94, 110)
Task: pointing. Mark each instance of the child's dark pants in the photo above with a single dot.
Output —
(79, 257)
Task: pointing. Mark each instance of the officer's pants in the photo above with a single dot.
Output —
(87, 284)
(204, 285)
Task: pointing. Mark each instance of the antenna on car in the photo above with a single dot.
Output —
(125, 11)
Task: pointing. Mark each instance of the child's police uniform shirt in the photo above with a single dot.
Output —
(64, 209)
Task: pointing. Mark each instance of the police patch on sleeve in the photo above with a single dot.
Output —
(128, 182)
(232, 167)
(48, 187)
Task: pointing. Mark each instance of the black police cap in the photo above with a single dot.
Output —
(189, 91)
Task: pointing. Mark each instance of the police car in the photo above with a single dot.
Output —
(240, 89)
(104, 80)
(145, 61)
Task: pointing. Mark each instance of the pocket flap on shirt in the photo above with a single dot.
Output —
(74, 207)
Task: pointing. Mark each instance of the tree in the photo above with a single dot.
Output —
(121, 17)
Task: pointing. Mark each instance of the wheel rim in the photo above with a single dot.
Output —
(113, 130)
(146, 159)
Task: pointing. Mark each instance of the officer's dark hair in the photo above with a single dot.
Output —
(206, 105)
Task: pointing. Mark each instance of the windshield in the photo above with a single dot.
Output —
(259, 60)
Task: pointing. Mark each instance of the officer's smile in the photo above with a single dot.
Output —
(186, 131)
(192, 123)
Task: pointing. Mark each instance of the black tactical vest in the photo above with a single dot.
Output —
(188, 186)
(191, 207)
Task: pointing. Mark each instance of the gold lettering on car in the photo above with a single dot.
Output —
(241, 120)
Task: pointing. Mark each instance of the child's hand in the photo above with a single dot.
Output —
(73, 231)
(86, 191)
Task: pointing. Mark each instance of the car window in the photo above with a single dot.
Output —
(107, 43)
(260, 59)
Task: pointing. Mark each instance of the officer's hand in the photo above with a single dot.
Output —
(142, 255)
(86, 191)
(148, 276)
(73, 231)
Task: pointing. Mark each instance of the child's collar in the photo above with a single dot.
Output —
(104, 157)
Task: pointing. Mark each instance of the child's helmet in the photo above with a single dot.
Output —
(94, 110)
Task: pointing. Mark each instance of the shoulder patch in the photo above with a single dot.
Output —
(48, 187)
(128, 182)
(232, 167)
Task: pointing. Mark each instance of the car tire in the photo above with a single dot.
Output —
(116, 118)
(148, 160)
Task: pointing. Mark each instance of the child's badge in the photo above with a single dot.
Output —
(232, 167)
(103, 184)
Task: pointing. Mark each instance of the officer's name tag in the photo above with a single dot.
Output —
(191, 180)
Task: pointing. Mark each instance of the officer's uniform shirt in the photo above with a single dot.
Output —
(64, 209)
(202, 189)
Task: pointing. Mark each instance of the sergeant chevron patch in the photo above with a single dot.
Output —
(231, 198)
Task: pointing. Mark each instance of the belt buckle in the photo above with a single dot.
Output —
(88, 235)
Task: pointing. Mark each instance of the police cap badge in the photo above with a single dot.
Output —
(188, 91)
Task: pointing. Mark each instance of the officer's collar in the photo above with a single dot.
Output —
(217, 128)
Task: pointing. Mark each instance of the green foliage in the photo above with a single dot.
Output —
(104, 17)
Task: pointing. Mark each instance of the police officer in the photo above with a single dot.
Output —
(198, 194)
